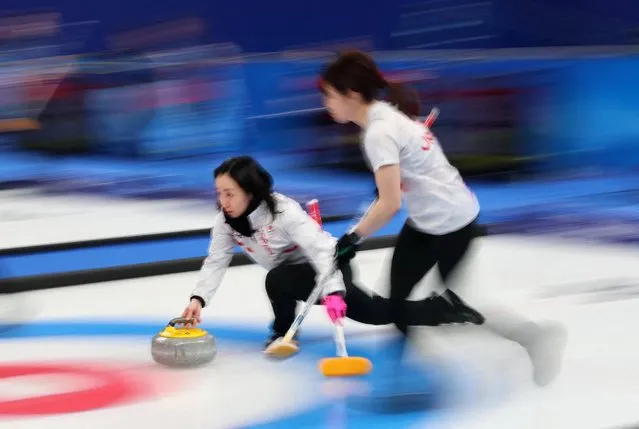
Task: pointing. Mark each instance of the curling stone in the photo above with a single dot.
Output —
(183, 347)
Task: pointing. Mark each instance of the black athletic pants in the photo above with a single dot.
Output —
(415, 254)
(289, 283)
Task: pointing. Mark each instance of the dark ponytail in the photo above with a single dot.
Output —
(405, 99)
(357, 72)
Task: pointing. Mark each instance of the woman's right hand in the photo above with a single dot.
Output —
(193, 311)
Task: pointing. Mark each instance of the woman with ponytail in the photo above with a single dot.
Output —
(408, 164)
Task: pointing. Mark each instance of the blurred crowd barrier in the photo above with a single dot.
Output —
(386, 25)
(500, 109)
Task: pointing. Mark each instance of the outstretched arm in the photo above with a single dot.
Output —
(215, 265)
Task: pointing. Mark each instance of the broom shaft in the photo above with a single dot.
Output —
(313, 210)
(340, 341)
(432, 117)
(312, 299)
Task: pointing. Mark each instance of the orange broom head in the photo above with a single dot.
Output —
(345, 366)
(280, 349)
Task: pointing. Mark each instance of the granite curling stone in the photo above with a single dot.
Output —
(182, 346)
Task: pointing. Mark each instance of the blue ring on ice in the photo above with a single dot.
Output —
(387, 380)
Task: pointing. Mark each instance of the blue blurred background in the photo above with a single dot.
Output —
(139, 101)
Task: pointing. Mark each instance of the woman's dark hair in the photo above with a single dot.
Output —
(251, 177)
(357, 72)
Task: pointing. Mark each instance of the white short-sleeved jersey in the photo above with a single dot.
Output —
(436, 197)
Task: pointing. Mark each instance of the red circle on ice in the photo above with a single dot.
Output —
(109, 388)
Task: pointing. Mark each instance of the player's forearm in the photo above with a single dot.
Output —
(379, 215)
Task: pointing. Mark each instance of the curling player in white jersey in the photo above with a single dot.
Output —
(408, 163)
(278, 234)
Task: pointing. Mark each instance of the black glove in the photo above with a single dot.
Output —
(346, 247)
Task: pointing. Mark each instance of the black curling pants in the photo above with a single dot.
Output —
(289, 283)
(415, 254)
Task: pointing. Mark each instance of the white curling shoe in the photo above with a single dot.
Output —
(545, 346)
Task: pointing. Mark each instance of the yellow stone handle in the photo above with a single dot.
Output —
(181, 321)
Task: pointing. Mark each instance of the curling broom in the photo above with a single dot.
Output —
(342, 365)
(285, 347)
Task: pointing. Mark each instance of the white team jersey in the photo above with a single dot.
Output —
(292, 237)
(436, 197)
